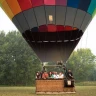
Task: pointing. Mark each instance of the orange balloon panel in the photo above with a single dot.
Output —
(68, 28)
(74, 28)
(13, 4)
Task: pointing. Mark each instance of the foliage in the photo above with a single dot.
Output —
(86, 83)
(18, 63)
(82, 63)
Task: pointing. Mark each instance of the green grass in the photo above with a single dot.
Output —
(30, 91)
(86, 83)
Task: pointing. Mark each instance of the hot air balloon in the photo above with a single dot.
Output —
(52, 28)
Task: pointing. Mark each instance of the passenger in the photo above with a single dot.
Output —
(45, 75)
(51, 75)
(55, 75)
(38, 75)
(61, 75)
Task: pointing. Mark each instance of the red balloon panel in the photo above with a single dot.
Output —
(61, 2)
(68, 28)
(43, 28)
(36, 3)
(51, 28)
(25, 4)
(60, 28)
(49, 2)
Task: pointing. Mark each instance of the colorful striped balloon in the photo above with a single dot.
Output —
(52, 28)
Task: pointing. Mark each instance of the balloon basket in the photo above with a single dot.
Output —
(53, 86)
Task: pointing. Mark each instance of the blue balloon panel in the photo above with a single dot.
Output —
(84, 4)
(73, 3)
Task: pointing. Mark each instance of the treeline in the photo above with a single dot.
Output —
(83, 65)
(19, 64)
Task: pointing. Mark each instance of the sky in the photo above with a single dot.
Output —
(88, 40)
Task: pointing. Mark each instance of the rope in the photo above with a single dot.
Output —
(29, 26)
(64, 33)
(18, 23)
(86, 39)
(73, 24)
(58, 34)
(45, 32)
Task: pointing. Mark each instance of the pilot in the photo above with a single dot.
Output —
(70, 74)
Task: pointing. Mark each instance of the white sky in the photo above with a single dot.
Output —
(88, 40)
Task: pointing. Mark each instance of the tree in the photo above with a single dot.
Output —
(82, 63)
(18, 62)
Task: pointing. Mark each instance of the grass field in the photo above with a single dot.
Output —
(30, 91)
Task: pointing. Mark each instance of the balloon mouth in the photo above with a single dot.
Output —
(53, 28)
(53, 33)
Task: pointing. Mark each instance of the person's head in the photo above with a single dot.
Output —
(60, 73)
(37, 73)
(45, 72)
(61, 61)
(69, 70)
(50, 72)
(56, 73)
(57, 62)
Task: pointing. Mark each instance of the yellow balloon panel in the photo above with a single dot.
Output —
(94, 13)
(1, 1)
(7, 9)
(14, 6)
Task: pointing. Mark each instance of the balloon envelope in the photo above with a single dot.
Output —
(52, 28)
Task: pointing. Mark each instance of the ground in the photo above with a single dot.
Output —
(30, 91)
